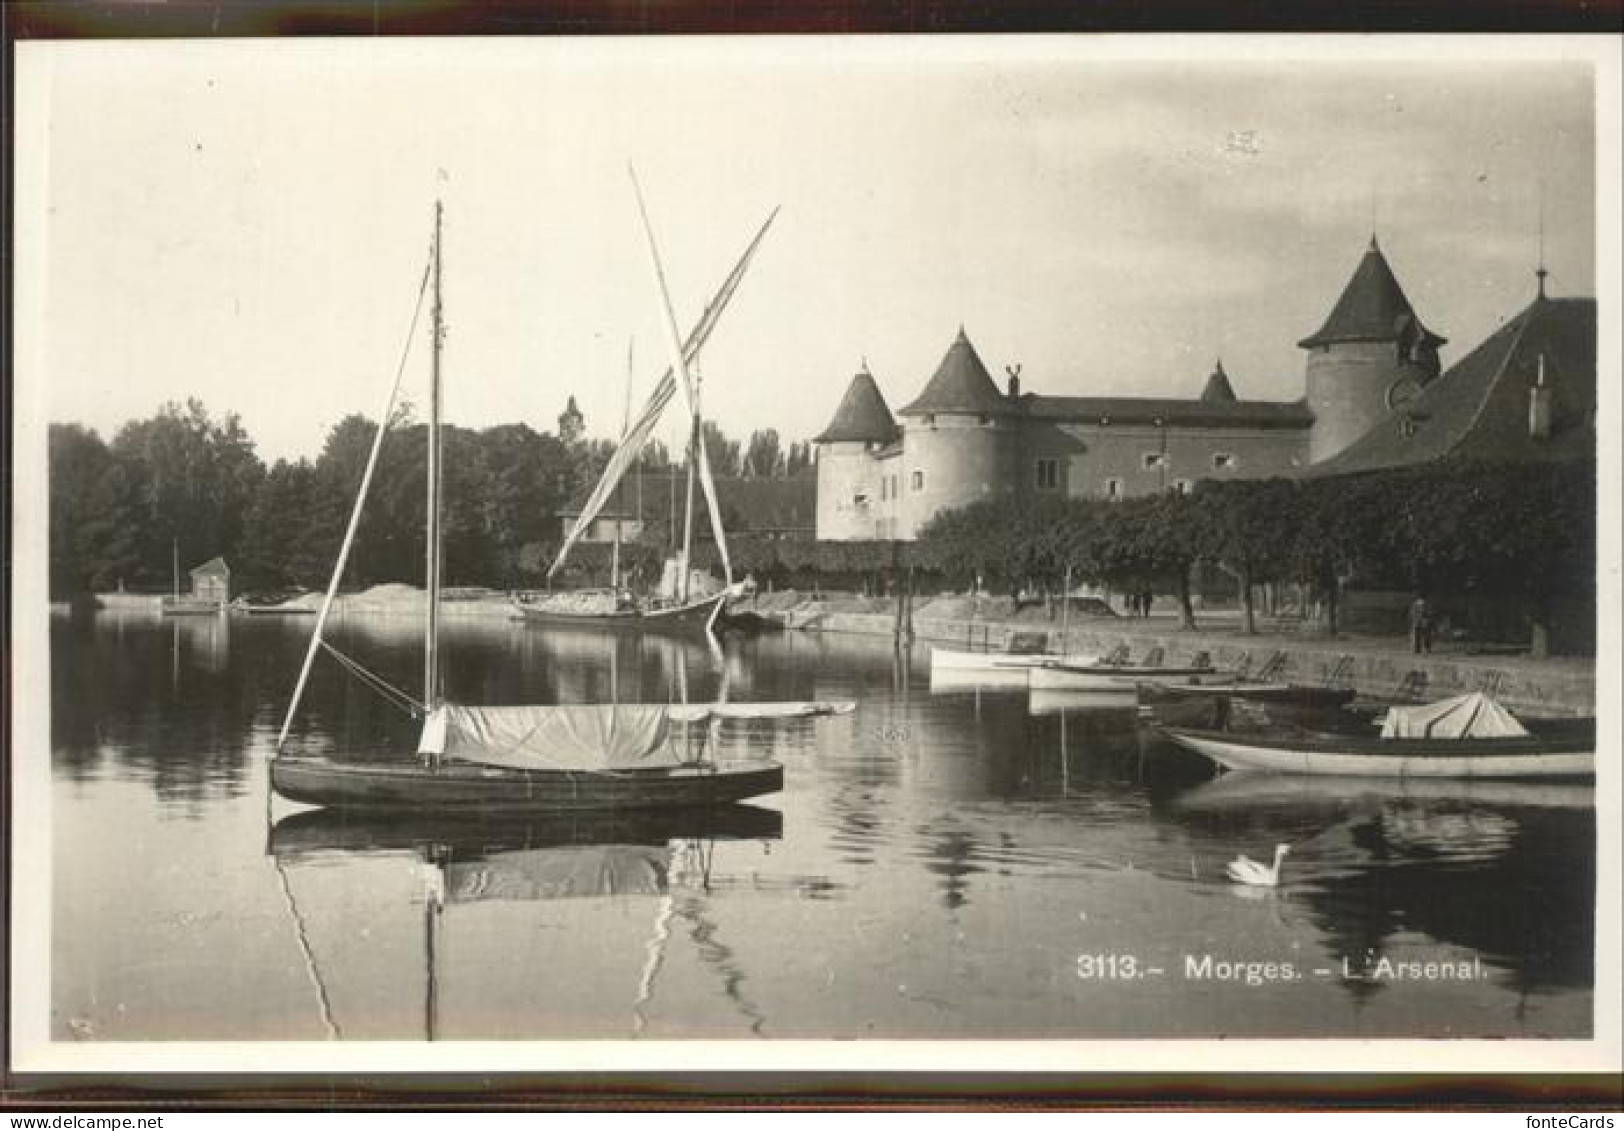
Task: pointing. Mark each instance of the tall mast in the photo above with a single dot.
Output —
(431, 656)
(688, 508)
(620, 488)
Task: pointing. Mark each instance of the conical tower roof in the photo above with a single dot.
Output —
(961, 384)
(862, 415)
(1218, 390)
(1372, 308)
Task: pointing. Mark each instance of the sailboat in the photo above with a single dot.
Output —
(507, 759)
(629, 858)
(677, 608)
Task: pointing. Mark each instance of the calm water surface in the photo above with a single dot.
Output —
(938, 865)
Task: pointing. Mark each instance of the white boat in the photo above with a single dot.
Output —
(1469, 736)
(946, 659)
(1103, 677)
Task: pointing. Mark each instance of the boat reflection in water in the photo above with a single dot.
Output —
(1402, 868)
(660, 857)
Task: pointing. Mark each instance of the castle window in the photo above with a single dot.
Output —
(1222, 461)
(860, 498)
(894, 492)
(930, 420)
(1154, 460)
(1182, 486)
(1048, 474)
(1113, 488)
(918, 480)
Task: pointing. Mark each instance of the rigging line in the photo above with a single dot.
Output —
(389, 691)
(360, 501)
(314, 974)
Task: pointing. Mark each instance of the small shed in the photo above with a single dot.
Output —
(211, 581)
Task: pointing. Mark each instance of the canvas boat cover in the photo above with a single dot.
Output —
(1465, 716)
(560, 873)
(577, 736)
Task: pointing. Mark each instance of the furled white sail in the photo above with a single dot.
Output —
(577, 736)
(642, 426)
(1474, 715)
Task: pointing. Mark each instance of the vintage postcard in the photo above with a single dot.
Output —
(1038, 553)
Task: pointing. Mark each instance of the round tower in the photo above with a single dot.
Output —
(1372, 355)
(959, 440)
(854, 494)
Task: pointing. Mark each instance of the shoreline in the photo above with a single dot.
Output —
(1376, 666)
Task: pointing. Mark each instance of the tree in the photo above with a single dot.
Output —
(723, 453)
(199, 480)
(571, 424)
(763, 456)
(1248, 528)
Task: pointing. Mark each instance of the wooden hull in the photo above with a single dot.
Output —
(1211, 706)
(945, 659)
(1058, 677)
(1495, 758)
(693, 617)
(191, 607)
(463, 788)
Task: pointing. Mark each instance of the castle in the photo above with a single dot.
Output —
(1373, 396)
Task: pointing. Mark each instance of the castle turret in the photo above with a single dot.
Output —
(1372, 354)
(854, 484)
(960, 439)
(1218, 390)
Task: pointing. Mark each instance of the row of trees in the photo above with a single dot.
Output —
(183, 483)
(1526, 532)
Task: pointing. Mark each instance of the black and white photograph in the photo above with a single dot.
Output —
(1040, 552)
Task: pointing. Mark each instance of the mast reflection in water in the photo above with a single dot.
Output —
(938, 865)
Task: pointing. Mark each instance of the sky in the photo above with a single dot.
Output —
(248, 222)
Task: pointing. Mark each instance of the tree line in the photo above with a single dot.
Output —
(185, 484)
(1518, 531)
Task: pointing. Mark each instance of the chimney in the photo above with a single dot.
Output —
(1539, 405)
(1014, 372)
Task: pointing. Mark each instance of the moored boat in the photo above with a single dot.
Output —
(1056, 676)
(946, 659)
(676, 617)
(529, 759)
(1466, 737)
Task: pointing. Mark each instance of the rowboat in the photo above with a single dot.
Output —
(948, 660)
(1210, 705)
(1557, 749)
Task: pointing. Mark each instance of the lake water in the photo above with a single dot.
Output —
(937, 865)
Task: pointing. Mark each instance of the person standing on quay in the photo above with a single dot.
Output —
(1420, 625)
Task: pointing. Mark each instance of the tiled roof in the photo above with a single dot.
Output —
(212, 566)
(863, 415)
(1173, 413)
(961, 384)
(1372, 309)
(1480, 406)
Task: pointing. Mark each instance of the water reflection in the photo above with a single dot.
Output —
(620, 858)
(1386, 866)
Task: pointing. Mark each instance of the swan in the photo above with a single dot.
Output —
(1244, 870)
